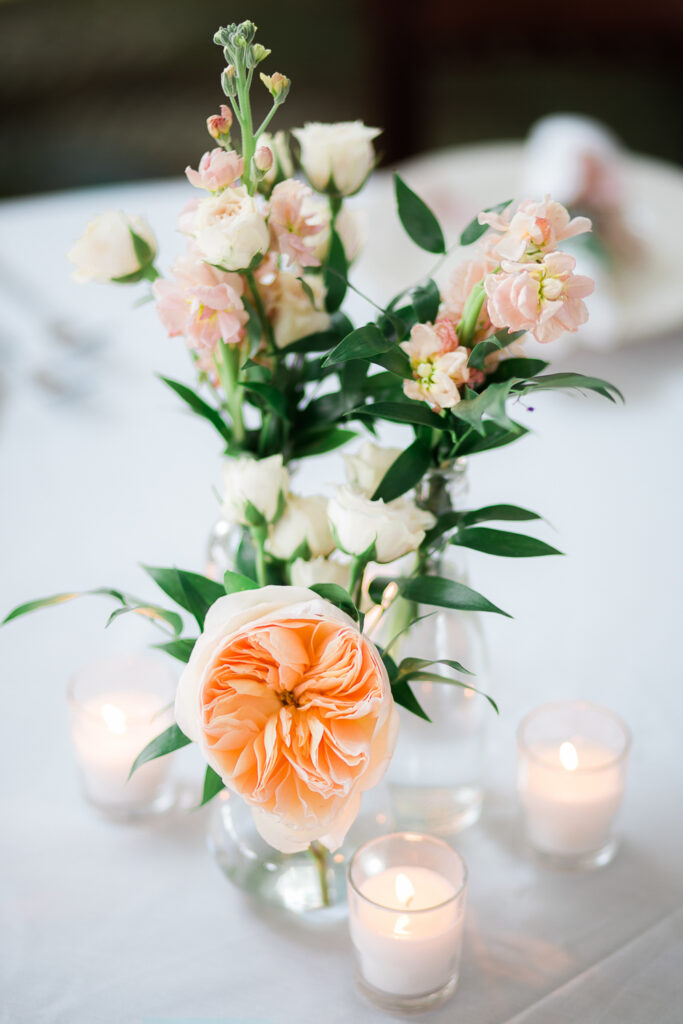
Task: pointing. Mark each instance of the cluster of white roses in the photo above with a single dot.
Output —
(316, 536)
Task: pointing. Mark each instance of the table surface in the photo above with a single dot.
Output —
(101, 468)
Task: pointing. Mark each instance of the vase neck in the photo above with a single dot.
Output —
(443, 489)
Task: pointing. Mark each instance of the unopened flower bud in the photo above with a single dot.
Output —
(229, 81)
(244, 34)
(257, 54)
(263, 159)
(277, 85)
(219, 125)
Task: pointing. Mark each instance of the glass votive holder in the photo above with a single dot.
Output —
(407, 896)
(116, 706)
(571, 769)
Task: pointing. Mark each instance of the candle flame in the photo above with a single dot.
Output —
(114, 718)
(404, 889)
(569, 759)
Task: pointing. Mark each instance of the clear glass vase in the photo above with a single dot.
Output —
(311, 881)
(436, 773)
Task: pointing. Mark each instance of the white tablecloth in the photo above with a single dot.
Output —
(105, 923)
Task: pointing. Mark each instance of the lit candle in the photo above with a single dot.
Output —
(571, 768)
(407, 918)
(117, 707)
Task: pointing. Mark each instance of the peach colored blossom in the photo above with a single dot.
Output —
(438, 370)
(545, 298)
(217, 170)
(460, 283)
(291, 705)
(220, 124)
(534, 229)
(203, 304)
(290, 224)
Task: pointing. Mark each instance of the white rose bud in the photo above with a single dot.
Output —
(257, 482)
(303, 520)
(395, 527)
(319, 570)
(367, 467)
(106, 249)
(337, 158)
(229, 229)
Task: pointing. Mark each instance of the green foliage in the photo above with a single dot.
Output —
(502, 543)
(181, 648)
(335, 274)
(435, 590)
(191, 591)
(417, 219)
(213, 784)
(336, 595)
(405, 472)
(166, 742)
(475, 230)
(200, 407)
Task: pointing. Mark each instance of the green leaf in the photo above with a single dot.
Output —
(435, 677)
(181, 648)
(166, 742)
(564, 381)
(405, 472)
(191, 591)
(426, 300)
(502, 542)
(213, 784)
(491, 403)
(143, 250)
(475, 230)
(325, 440)
(273, 398)
(518, 369)
(253, 372)
(498, 513)
(403, 695)
(492, 436)
(362, 343)
(497, 341)
(435, 590)
(410, 665)
(200, 407)
(150, 611)
(405, 412)
(336, 595)
(417, 219)
(447, 521)
(41, 602)
(235, 582)
(335, 274)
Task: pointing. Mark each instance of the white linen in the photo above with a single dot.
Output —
(105, 923)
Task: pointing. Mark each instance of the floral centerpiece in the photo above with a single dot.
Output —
(291, 702)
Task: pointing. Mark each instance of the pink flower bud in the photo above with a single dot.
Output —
(263, 159)
(220, 124)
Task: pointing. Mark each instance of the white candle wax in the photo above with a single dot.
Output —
(570, 793)
(404, 947)
(109, 731)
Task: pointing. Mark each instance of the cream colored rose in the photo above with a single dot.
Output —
(258, 482)
(303, 520)
(367, 467)
(291, 705)
(229, 229)
(337, 158)
(395, 527)
(320, 570)
(289, 307)
(106, 250)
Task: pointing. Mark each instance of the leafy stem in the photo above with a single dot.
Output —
(227, 364)
(266, 326)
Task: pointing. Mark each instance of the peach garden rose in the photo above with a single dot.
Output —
(291, 705)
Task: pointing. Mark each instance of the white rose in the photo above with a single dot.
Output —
(337, 157)
(395, 527)
(256, 481)
(289, 307)
(106, 249)
(283, 165)
(304, 519)
(229, 229)
(320, 570)
(367, 467)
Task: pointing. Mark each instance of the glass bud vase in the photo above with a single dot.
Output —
(436, 772)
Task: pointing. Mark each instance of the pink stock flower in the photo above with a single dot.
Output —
(217, 170)
(220, 124)
(533, 231)
(290, 224)
(545, 298)
(203, 304)
(438, 367)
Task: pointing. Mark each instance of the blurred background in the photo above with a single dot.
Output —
(119, 91)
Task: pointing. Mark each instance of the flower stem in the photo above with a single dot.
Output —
(266, 326)
(319, 855)
(227, 361)
(259, 535)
